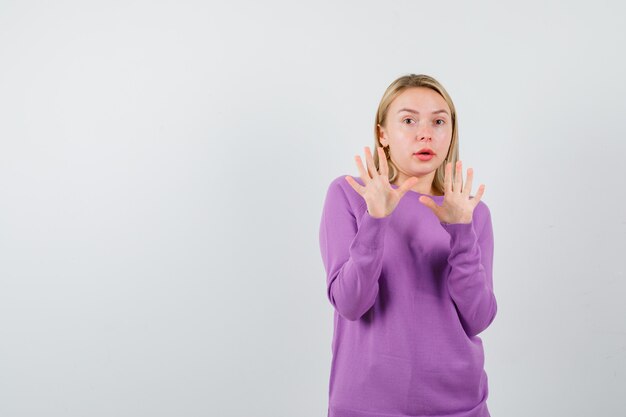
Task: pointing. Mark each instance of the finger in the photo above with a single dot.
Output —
(366, 178)
(355, 185)
(382, 162)
(429, 202)
(371, 167)
(458, 177)
(479, 194)
(407, 185)
(447, 181)
(467, 188)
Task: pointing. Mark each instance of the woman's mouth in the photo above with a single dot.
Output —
(424, 155)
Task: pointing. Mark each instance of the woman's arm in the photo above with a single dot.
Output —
(352, 256)
(470, 266)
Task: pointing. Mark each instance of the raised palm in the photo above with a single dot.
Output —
(380, 196)
(457, 206)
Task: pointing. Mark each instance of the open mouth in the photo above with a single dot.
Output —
(424, 156)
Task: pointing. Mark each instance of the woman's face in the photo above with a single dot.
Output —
(418, 118)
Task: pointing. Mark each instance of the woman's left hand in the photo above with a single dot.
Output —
(457, 206)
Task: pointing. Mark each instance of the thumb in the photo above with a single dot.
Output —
(407, 185)
(429, 202)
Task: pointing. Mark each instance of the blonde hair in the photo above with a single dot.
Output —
(395, 89)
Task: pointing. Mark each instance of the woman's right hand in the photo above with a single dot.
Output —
(380, 197)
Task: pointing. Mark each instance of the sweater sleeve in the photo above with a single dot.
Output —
(352, 255)
(470, 266)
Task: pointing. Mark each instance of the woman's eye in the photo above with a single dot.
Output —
(437, 121)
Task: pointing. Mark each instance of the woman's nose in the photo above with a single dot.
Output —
(425, 134)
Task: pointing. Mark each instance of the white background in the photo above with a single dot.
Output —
(163, 167)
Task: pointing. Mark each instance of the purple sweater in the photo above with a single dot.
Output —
(410, 295)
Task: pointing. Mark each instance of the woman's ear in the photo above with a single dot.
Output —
(381, 136)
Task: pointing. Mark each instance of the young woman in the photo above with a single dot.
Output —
(408, 254)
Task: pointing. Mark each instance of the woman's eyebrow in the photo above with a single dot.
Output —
(416, 112)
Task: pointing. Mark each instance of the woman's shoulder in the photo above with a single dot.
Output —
(482, 215)
(482, 207)
(340, 189)
(342, 182)
(341, 179)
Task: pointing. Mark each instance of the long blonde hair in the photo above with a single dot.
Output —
(395, 89)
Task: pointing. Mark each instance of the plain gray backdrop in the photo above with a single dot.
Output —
(163, 167)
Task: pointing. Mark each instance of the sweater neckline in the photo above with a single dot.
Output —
(416, 192)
